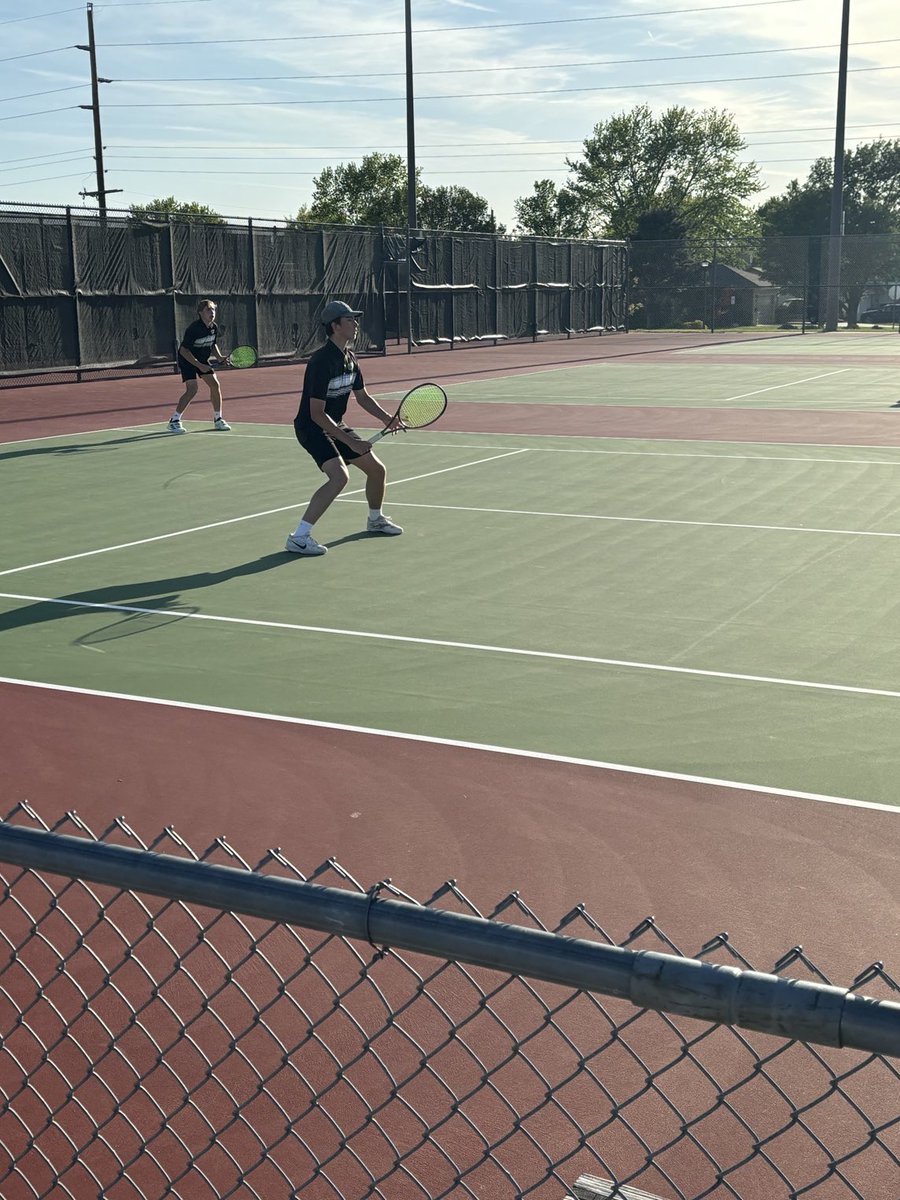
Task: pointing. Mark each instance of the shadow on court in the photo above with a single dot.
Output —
(84, 447)
(162, 596)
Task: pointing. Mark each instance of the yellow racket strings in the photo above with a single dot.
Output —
(422, 405)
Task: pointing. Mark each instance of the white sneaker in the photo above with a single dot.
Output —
(383, 524)
(175, 426)
(307, 545)
(221, 423)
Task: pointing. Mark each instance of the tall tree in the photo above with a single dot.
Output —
(170, 207)
(683, 160)
(871, 201)
(373, 192)
(551, 211)
(370, 192)
(455, 207)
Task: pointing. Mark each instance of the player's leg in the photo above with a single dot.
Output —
(189, 375)
(215, 398)
(336, 479)
(376, 483)
(326, 455)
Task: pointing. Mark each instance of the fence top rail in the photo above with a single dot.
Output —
(808, 1012)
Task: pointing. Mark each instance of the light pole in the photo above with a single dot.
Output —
(836, 226)
(410, 173)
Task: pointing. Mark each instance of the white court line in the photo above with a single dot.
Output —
(524, 512)
(793, 383)
(511, 651)
(161, 537)
(414, 445)
(487, 748)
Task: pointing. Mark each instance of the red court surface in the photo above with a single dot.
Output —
(270, 395)
(774, 871)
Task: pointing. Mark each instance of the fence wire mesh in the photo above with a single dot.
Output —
(155, 1049)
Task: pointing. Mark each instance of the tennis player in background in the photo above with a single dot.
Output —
(197, 347)
(332, 373)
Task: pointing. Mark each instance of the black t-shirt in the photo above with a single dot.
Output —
(200, 339)
(331, 375)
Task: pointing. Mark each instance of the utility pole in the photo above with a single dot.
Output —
(410, 175)
(410, 125)
(836, 226)
(102, 190)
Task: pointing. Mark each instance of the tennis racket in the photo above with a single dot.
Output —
(242, 356)
(424, 405)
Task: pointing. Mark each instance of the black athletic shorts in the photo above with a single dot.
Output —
(189, 371)
(316, 442)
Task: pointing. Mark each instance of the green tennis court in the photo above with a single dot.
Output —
(719, 610)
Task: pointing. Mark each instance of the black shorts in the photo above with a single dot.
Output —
(189, 371)
(316, 442)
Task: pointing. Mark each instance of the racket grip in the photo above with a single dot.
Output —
(376, 437)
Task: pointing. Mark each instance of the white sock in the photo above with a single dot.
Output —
(303, 529)
(176, 416)
(218, 416)
(373, 513)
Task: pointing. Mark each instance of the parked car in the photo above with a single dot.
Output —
(884, 314)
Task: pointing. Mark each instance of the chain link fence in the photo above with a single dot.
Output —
(779, 283)
(156, 1045)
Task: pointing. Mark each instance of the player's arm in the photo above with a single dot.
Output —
(188, 356)
(322, 419)
(369, 404)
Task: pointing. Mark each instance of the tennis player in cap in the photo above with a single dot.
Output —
(332, 373)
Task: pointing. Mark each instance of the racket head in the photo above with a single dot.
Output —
(422, 405)
(243, 356)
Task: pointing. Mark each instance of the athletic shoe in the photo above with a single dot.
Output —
(307, 545)
(175, 426)
(383, 525)
(221, 423)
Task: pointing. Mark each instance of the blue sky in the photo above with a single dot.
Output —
(238, 104)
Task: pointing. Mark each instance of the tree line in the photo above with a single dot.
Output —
(639, 177)
(679, 179)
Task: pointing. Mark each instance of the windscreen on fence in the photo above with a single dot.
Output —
(81, 290)
(471, 287)
(89, 290)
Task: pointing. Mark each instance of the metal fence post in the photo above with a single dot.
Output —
(73, 258)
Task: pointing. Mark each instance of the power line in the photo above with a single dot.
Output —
(42, 112)
(38, 16)
(30, 95)
(46, 179)
(73, 156)
(344, 37)
(281, 156)
(612, 87)
(279, 146)
(50, 154)
(603, 62)
(37, 54)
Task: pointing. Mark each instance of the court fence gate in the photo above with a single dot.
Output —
(178, 1024)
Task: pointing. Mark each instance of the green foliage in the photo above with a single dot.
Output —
(871, 206)
(170, 207)
(373, 192)
(552, 212)
(684, 161)
(455, 207)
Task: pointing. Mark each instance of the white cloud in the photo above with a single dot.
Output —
(360, 48)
